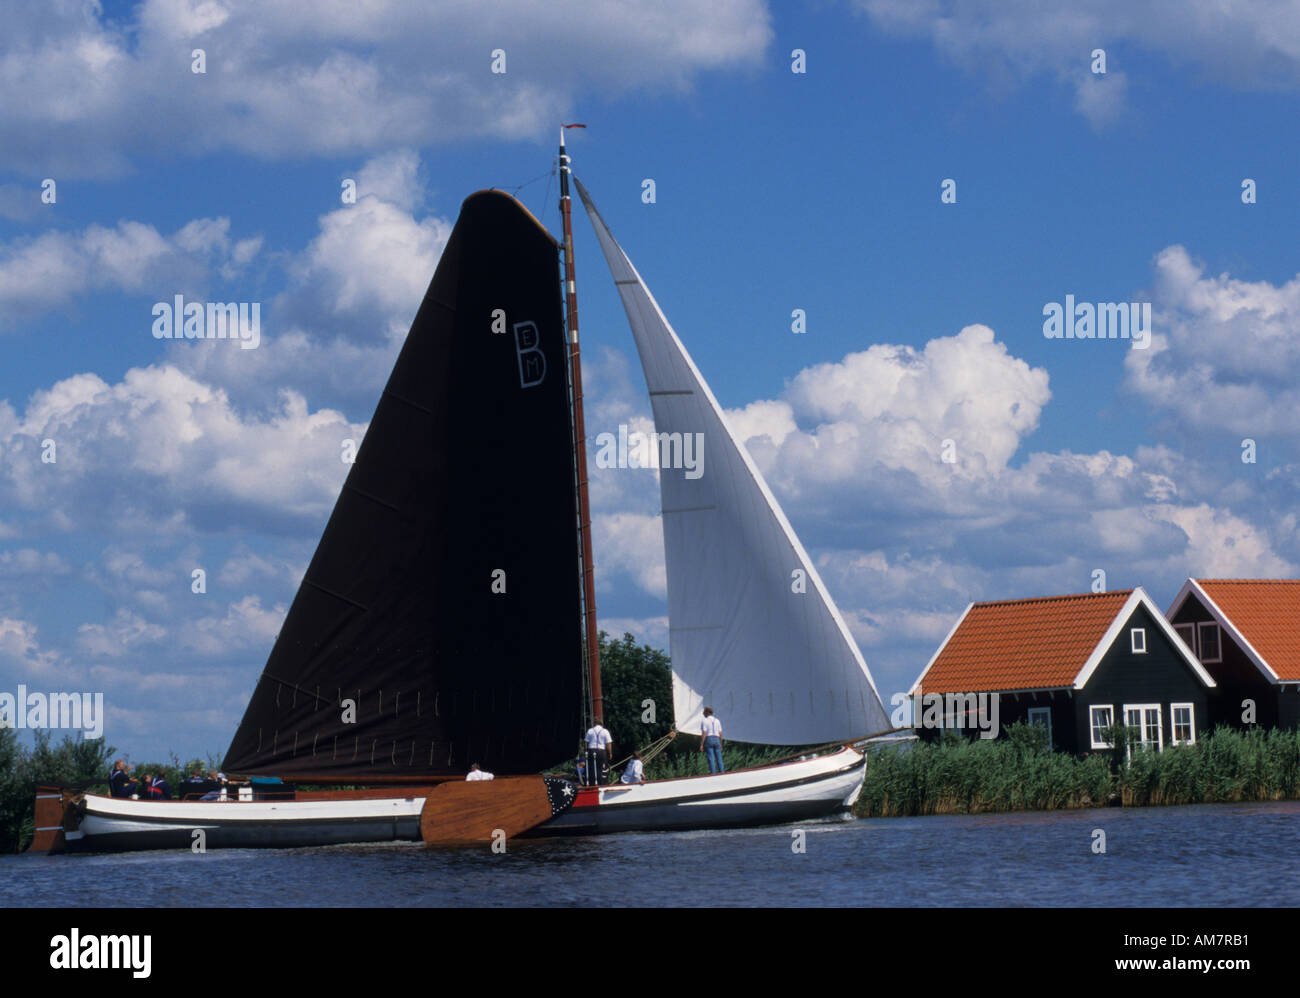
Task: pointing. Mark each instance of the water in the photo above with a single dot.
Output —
(1205, 855)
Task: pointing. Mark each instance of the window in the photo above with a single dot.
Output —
(1210, 650)
(1042, 716)
(1101, 718)
(1184, 717)
(1137, 637)
(1188, 633)
(1144, 718)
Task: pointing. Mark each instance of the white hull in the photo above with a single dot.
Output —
(768, 795)
(112, 823)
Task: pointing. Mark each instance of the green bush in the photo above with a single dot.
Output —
(74, 762)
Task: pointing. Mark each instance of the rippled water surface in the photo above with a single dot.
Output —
(1207, 855)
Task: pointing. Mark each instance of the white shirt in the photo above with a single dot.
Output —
(478, 774)
(711, 726)
(634, 772)
(598, 737)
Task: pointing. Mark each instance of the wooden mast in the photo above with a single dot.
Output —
(580, 443)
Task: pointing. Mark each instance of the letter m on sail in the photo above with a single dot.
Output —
(532, 362)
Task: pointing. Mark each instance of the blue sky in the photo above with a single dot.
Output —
(775, 191)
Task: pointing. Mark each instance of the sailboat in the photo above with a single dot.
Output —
(438, 623)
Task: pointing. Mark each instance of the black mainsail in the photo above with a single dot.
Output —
(438, 623)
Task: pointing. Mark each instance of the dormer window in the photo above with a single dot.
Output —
(1211, 649)
(1138, 640)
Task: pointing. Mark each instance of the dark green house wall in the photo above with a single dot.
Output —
(1288, 709)
(1015, 707)
(1239, 680)
(1160, 676)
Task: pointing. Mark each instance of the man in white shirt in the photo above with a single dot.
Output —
(635, 772)
(599, 742)
(711, 741)
(478, 774)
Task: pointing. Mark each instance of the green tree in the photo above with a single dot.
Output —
(15, 799)
(637, 684)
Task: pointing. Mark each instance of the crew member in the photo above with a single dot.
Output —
(599, 742)
(475, 773)
(635, 772)
(120, 783)
(711, 741)
(158, 788)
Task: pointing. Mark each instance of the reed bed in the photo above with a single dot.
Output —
(1018, 773)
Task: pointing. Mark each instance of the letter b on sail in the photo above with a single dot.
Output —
(532, 362)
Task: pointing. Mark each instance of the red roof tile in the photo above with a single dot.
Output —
(1266, 612)
(1023, 644)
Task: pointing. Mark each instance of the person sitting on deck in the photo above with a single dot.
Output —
(478, 774)
(120, 783)
(635, 772)
(157, 787)
(211, 786)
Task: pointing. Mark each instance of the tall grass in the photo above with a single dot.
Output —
(1019, 773)
(1229, 766)
(956, 776)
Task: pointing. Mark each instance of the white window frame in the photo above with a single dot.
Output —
(1092, 725)
(1137, 635)
(1142, 723)
(1188, 639)
(1046, 713)
(1201, 644)
(1173, 723)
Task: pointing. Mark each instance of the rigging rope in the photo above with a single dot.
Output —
(649, 752)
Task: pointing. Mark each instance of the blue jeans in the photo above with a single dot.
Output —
(713, 750)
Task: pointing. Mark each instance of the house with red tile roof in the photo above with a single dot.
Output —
(1075, 665)
(1246, 633)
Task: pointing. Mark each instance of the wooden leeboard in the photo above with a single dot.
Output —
(477, 812)
(49, 815)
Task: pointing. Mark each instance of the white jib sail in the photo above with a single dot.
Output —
(753, 632)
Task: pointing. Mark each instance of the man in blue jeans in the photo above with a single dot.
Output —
(711, 741)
